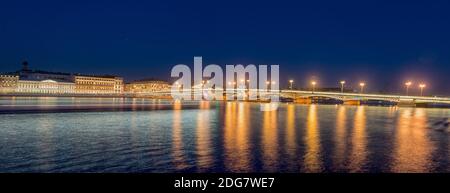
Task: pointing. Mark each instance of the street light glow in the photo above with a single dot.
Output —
(409, 83)
(342, 86)
(421, 86)
(362, 84)
(313, 86)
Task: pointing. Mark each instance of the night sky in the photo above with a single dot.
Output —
(382, 43)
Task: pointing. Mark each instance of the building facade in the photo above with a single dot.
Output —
(98, 84)
(8, 83)
(147, 87)
(45, 87)
(43, 82)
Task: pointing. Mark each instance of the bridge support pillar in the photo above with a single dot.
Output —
(406, 103)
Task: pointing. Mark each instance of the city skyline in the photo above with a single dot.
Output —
(382, 43)
(413, 87)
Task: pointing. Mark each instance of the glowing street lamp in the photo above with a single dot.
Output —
(407, 84)
(342, 86)
(422, 86)
(313, 83)
(362, 84)
(290, 82)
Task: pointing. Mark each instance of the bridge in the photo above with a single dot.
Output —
(357, 98)
(301, 96)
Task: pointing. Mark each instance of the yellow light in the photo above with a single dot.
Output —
(422, 85)
(267, 82)
(273, 82)
(342, 81)
(313, 83)
(362, 84)
(291, 81)
(408, 83)
(242, 80)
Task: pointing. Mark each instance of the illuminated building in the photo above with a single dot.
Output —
(8, 83)
(44, 82)
(45, 87)
(85, 84)
(147, 87)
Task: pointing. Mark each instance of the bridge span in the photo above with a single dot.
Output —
(358, 97)
(301, 96)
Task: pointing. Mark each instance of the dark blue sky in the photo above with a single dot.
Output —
(383, 43)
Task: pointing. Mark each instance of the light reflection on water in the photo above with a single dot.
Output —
(227, 137)
(413, 147)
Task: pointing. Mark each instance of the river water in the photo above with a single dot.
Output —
(144, 135)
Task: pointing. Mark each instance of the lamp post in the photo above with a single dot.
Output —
(362, 84)
(290, 83)
(422, 86)
(342, 86)
(313, 83)
(408, 84)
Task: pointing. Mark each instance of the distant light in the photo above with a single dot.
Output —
(342, 81)
(408, 83)
(273, 82)
(313, 83)
(291, 81)
(362, 84)
(422, 85)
